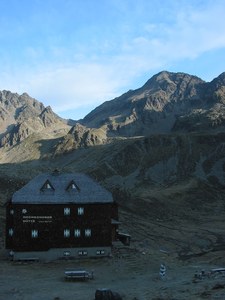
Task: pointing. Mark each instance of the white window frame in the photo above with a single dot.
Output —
(48, 186)
(77, 233)
(73, 186)
(66, 253)
(11, 231)
(82, 253)
(80, 211)
(66, 233)
(34, 233)
(66, 211)
(100, 252)
(87, 232)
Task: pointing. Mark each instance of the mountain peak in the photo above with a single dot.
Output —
(220, 80)
(158, 104)
(25, 95)
(21, 115)
(162, 79)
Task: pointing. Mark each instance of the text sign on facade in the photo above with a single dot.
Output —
(38, 219)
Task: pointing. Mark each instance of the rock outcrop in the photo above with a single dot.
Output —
(21, 116)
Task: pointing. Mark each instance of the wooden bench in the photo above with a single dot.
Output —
(78, 275)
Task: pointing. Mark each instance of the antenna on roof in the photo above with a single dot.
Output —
(56, 172)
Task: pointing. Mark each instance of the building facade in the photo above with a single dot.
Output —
(61, 215)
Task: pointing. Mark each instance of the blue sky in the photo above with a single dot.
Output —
(75, 54)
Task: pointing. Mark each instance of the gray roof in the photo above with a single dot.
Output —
(56, 188)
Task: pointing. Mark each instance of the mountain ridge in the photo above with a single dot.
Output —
(167, 102)
(157, 105)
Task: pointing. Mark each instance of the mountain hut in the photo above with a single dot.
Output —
(61, 216)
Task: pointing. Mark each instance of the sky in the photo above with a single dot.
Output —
(76, 54)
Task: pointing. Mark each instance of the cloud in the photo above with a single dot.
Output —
(67, 88)
(196, 31)
(191, 33)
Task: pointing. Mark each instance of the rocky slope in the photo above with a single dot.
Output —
(167, 102)
(80, 136)
(21, 116)
(211, 115)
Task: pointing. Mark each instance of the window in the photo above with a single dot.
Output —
(11, 211)
(73, 187)
(11, 232)
(87, 232)
(100, 252)
(66, 253)
(34, 233)
(82, 253)
(66, 211)
(77, 232)
(66, 233)
(80, 211)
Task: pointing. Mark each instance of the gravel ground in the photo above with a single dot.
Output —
(131, 271)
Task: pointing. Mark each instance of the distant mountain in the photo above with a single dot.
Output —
(166, 102)
(21, 116)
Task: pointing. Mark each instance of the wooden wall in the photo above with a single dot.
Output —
(32, 227)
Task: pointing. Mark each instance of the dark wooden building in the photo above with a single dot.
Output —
(61, 215)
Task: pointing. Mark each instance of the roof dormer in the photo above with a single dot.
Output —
(47, 186)
(72, 187)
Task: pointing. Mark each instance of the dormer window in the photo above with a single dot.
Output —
(72, 186)
(47, 186)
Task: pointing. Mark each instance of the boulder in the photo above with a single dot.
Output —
(106, 294)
